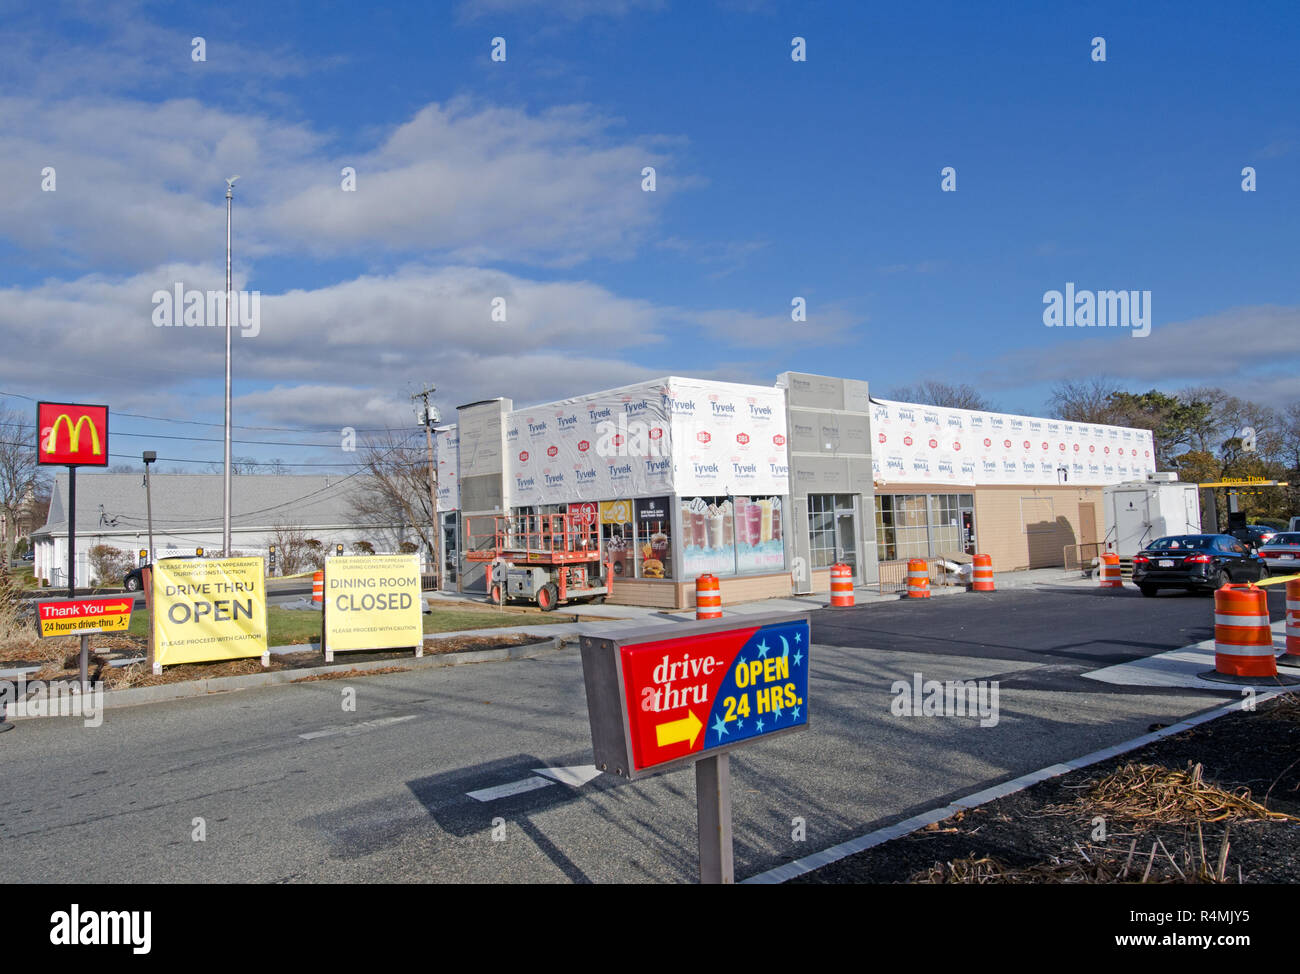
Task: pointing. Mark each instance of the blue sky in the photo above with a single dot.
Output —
(522, 179)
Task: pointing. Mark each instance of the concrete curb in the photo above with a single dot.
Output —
(135, 696)
(800, 867)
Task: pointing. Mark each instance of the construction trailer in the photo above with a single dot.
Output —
(1140, 511)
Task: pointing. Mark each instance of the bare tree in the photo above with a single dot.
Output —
(291, 548)
(395, 486)
(20, 477)
(238, 466)
(943, 394)
(1084, 400)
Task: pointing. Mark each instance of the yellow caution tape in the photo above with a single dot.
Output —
(1277, 580)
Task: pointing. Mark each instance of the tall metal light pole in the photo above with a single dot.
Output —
(225, 521)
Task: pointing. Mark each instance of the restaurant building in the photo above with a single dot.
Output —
(768, 486)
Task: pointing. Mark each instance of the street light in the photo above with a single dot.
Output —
(225, 522)
(149, 457)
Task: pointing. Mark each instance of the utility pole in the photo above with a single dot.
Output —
(428, 416)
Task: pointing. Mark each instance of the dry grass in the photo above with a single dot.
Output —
(1093, 865)
(1148, 795)
(1287, 707)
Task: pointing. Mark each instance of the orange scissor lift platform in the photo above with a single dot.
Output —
(546, 558)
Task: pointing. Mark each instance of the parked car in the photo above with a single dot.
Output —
(1282, 552)
(134, 579)
(1255, 535)
(1195, 562)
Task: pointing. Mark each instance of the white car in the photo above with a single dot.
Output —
(1282, 553)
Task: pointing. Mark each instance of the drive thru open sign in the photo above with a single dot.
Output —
(657, 702)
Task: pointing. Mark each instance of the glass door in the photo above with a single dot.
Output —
(846, 532)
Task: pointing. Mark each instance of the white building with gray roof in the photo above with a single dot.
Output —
(187, 515)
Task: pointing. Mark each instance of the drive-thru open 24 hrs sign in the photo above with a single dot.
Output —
(657, 702)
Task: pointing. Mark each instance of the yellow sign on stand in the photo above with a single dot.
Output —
(206, 610)
(373, 602)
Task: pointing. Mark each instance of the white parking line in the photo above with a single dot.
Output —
(513, 788)
(574, 777)
(350, 729)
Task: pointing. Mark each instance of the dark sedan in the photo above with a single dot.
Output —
(1255, 535)
(1195, 562)
(135, 577)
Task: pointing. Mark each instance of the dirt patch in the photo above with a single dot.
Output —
(1219, 803)
(472, 644)
(138, 675)
(349, 674)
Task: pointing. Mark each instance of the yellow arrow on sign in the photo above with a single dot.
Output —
(676, 731)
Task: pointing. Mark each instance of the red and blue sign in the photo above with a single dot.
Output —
(690, 695)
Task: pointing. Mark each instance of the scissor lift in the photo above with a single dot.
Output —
(542, 558)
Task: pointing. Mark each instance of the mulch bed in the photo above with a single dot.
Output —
(136, 675)
(1219, 803)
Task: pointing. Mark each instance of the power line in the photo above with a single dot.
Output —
(196, 422)
(365, 466)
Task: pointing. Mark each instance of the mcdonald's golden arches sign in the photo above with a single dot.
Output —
(69, 434)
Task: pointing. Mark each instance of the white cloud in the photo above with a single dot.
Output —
(139, 184)
(345, 353)
(1252, 351)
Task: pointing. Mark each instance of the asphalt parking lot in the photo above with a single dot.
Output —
(293, 788)
(1065, 630)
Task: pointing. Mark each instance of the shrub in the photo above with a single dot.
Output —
(1270, 522)
(109, 564)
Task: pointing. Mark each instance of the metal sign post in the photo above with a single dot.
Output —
(656, 703)
(713, 819)
(83, 617)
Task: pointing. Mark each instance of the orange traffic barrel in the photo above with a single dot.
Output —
(918, 579)
(318, 588)
(708, 597)
(1243, 641)
(1292, 654)
(842, 586)
(1110, 574)
(982, 580)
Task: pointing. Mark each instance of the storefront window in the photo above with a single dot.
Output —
(653, 538)
(616, 536)
(758, 534)
(945, 527)
(924, 525)
(708, 536)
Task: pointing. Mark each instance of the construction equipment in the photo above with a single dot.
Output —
(541, 558)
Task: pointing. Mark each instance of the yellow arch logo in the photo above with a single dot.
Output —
(74, 435)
